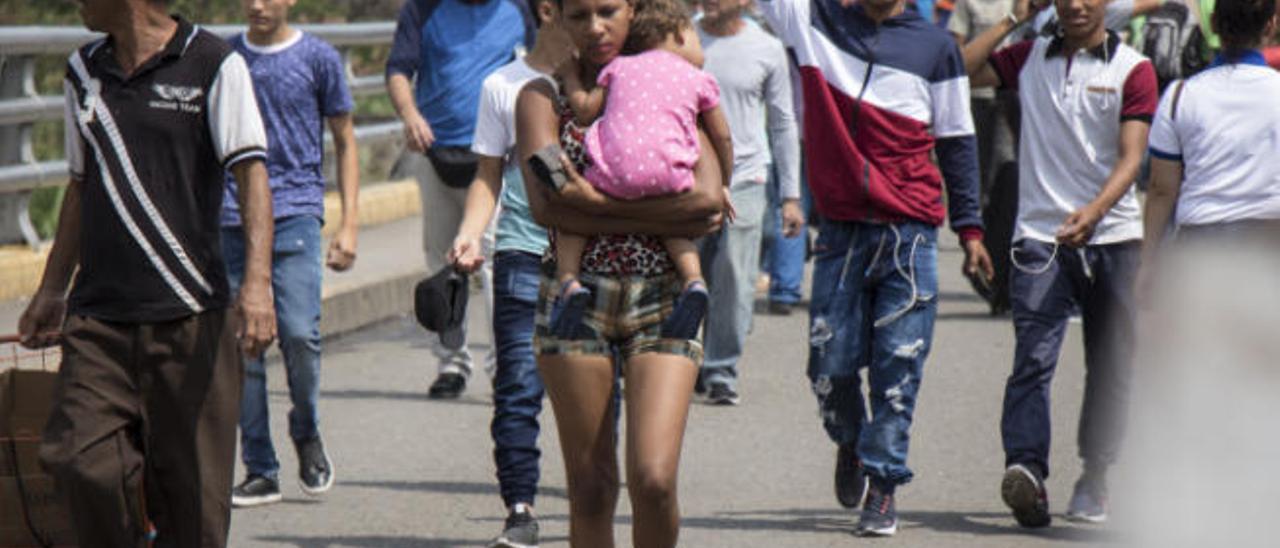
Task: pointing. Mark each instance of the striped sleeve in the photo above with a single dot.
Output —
(949, 90)
(234, 121)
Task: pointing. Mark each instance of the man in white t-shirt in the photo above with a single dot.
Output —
(519, 245)
(1087, 101)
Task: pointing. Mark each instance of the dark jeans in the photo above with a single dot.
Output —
(517, 388)
(1098, 281)
(873, 306)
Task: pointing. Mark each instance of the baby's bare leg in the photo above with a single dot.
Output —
(685, 256)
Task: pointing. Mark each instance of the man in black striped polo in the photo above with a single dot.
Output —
(142, 434)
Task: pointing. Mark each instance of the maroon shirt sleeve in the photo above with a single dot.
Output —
(1008, 62)
(1141, 94)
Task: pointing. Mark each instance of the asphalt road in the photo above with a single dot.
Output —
(416, 472)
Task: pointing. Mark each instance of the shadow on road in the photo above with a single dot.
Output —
(449, 487)
(358, 541)
(1001, 524)
(412, 395)
(986, 524)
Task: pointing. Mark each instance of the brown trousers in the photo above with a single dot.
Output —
(142, 432)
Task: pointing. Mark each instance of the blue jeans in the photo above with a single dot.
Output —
(296, 275)
(730, 264)
(1098, 281)
(517, 388)
(784, 257)
(873, 305)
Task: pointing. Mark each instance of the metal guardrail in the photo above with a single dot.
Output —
(22, 106)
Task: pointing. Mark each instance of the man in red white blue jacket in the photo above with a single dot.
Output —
(883, 89)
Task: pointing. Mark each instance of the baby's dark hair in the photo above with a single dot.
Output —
(654, 21)
(1240, 23)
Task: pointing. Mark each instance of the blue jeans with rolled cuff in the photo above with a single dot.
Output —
(517, 387)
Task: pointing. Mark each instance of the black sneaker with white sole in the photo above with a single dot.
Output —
(879, 514)
(519, 531)
(1024, 492)
(851, 479)
(722, 394)
(315, 470)
(447, 386)
(255, 490)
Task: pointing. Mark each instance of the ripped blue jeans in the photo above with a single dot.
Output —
(874, 301)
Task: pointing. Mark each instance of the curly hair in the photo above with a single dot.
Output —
(1241, 23)
(654, 21)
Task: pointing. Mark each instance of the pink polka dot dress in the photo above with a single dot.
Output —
(646, 141)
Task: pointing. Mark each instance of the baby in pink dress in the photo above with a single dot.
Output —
(645, 144)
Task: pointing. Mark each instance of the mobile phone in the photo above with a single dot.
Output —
(546, 166)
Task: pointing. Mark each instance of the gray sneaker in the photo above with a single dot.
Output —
(520, 530)
(1088, 502)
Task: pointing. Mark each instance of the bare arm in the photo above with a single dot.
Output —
(258, 325)
(1162, 195)
(1077, 230)
(417, 132)
(45, 313)
(587, 104)
(65, 255)
(482, 200)
(706, 198)
(342, 250)
(978, 50)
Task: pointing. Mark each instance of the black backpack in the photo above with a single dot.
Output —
(1173, 41)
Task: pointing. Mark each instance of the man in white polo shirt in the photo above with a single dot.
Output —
(1087, 102)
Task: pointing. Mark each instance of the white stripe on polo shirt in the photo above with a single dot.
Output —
(109, 183)
(1226, 133)
(131, 174)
